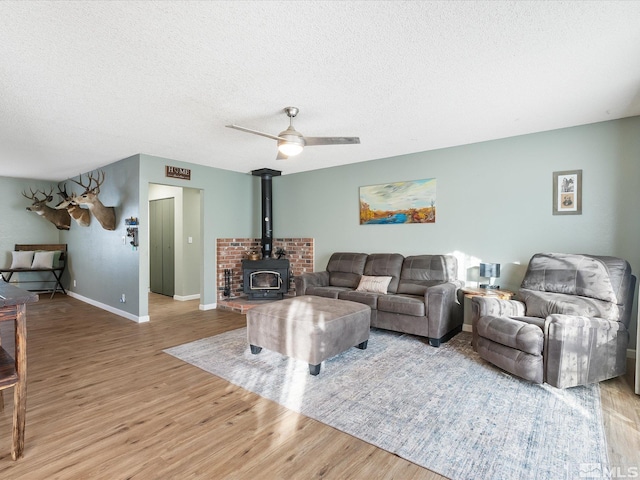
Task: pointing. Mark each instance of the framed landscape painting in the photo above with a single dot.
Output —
(400, 202)
(567, 192)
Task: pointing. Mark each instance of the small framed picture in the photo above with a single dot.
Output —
(567, 192)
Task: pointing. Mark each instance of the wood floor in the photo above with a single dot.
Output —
(104, 402)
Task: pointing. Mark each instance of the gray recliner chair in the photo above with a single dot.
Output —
(568, 326)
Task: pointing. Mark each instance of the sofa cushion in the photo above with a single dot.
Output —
(328, 292)
(345, 269)
(385, 264)
(367, 298)
(537, 321)
(374, 284)
(420, 272)
(403, 304)
(416, 287)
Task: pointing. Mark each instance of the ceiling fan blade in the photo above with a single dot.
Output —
(331, 140)
(281, 156)
(255, 132)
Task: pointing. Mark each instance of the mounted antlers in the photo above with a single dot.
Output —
(60, 218)
(105, 215)
(80, 215)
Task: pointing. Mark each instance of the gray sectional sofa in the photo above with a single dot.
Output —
(414, 294)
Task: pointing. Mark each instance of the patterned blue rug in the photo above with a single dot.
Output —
(443, 408)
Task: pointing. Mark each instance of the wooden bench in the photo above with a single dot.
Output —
(56, 271)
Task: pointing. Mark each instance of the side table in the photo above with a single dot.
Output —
(470, 292)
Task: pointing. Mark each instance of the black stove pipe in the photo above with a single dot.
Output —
(266, 174)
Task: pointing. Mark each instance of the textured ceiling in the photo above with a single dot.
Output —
(87, 83)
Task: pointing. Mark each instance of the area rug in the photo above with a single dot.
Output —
(443, 408)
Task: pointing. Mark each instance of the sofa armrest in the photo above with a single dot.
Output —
(495, 307)
(310, 279)
(580, 350)
(440, 302)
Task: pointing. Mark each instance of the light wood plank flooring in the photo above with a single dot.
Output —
(104, 402)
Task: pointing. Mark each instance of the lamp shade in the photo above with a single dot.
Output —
(490, 270)
(289, 149)
(290, 142)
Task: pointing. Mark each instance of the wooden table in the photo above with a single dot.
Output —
(470, 292)
(13, 371)
(488, 292)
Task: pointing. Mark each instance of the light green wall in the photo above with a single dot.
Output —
(102, 264)
(493, 204)
(227, 207)
(494, 201)
(17, 225)
(192, 252)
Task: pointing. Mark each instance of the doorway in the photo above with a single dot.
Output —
(187, 244)
(162, 246)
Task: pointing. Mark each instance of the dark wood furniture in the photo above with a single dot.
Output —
(56, 271)
(13, 369)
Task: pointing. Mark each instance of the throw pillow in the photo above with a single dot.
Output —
(56, 258)
(22, 259)
(43, 260)
(374, 284)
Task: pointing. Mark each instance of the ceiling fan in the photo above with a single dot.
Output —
(291, 142)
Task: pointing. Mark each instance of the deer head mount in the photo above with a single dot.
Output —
(80, 215)
(60, 218)
(105, 215)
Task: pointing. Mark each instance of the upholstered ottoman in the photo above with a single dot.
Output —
(309, 328)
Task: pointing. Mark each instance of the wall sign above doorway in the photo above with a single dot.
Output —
(178, 172)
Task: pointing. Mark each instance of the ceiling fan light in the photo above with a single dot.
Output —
(289, 149)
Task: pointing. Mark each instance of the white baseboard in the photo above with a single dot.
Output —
(631, 353)
(467, 328)
(108, 308)
(210, 306)
(184, 298)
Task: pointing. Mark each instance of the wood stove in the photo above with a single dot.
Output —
(266, 278)
(269, 277)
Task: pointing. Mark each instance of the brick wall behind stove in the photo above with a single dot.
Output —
(231, 251)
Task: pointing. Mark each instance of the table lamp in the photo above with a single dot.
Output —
(490, 271)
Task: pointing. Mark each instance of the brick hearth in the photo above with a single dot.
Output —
(231, 251)
(243, 304)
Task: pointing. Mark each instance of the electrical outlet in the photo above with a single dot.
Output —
(123, 299)
(74, 283)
